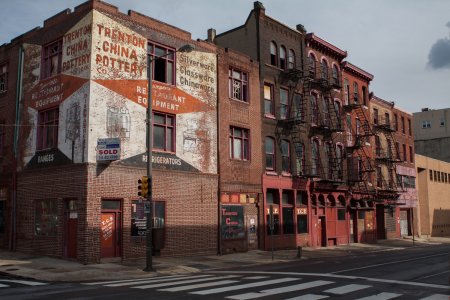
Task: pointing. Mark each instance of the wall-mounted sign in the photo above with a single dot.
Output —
(108, 149)
(302, 211)
(232, 222)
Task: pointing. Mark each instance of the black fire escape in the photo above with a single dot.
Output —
(360, 166)
(387, 154)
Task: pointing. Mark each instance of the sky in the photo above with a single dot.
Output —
(405, 44)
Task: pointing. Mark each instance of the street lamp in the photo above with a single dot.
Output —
(149, 234)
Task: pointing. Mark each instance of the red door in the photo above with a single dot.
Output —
(108, 232)
(71, 229)
(319, 232)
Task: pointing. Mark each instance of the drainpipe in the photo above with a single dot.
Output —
(13, 235)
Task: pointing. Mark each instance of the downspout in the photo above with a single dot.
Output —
(13, 235)
(218, 136)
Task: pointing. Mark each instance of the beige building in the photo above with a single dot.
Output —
(432, 133)
(433, 185)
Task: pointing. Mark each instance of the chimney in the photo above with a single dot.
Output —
(301, 28)
(259, 6)
(211, 35)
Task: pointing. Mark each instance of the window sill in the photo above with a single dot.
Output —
(270, 116)
(239, 160)
(271, 173)
(286, 174)
(239, 101)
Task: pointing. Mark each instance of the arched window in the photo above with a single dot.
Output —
(285, 156)
(355, 92)
(347, 91)
(326, 111)
(336, 75)
(270, 153)
(312, 65)
(324, 67)
(314, 109)
(273, 54)
(282, 57)
(339, 161)
(315, 157)
(300, 158)
(291, 59)
(328, 147)
(337, 109)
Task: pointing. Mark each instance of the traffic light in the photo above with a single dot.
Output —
(143, 186)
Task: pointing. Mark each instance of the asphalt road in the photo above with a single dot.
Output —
(411, 273)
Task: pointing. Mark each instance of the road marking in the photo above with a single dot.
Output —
(197, 286)
(129, 280)
(437, 297)
(381, 296)
(309, 297)
(435, 274)
(156, 280)
(26, 282)
(256, 277)
(428, 285)
(347, 289)
(388, 263)
(243, 286)
(3, 285)
(178, 282)
(280, 290)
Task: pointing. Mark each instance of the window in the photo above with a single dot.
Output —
(340, 161)
(441, 122)
(358, 126)
(426, 124)
(287, 200)
(302, 223)
(337, 109)
(438, 176)
(341, 214)
(355, 92)
(377, 146)
(360, 168)
(347, 91)
(139, 218)
(300, 158)
(238, 84)
(411, 154)
(404, 153)
(163, 132)
(364, 95)
(387, 120)
(403, 124)
(282, 57)
(268, 99)
(285, 156)
(273, 54)
(326, 111)
(163, 63)
(314, 109)
(335, 75)
(375, 116)
(239, 143)
(298, 102)
(51, 59)
(330, 158)
(270, 153)
(315, 156)
(379, 177)
(431, 174)
(46, 218)
(435, 175)
(284, 104)
(272, 199)
(3, 78)
(2, 138)
(47, 133)
(397, 149)
(3, 198)
(291, 59)
(409, 127)
(312, 65)
(395, 122)
(324, 68)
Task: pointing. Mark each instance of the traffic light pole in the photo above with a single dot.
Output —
(149, 214)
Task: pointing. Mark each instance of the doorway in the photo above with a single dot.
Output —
(111, 229)
(321, 232)
(70, 228)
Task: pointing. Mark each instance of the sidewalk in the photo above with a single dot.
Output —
(53, 269)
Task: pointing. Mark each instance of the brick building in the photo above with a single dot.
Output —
(78, 89)
(360, 156)
(405, 169)
(240, 157)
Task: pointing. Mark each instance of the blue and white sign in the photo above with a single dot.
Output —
(108, 149)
